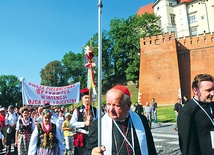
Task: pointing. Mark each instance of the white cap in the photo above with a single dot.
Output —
(2, 109)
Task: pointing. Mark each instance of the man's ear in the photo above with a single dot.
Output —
(195, 91)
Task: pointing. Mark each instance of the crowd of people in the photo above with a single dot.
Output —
(150, 111)
(47, 130)
(50, 130)
(22, 127)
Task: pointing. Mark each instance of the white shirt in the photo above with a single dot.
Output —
(74, 120)
(11, 119)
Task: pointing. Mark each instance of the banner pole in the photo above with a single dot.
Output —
(21, 79)
(100, 5)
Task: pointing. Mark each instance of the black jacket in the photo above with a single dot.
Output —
(194, 129)
(92, 140)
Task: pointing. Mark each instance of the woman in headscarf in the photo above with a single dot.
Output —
(46, 138)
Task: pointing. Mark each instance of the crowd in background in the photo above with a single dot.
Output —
(17, 125)
(150, 111)
(50, 130)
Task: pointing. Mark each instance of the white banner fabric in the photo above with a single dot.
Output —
(34, 94)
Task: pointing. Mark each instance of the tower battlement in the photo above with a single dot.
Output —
(169, 64)
(189, 41)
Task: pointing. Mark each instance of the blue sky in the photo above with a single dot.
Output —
(36, 32)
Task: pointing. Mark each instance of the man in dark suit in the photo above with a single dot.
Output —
(139, 108)
(195, 119)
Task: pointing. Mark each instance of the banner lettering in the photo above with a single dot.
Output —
(34, 94)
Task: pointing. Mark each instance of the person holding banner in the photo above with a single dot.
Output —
(122, 130)
(46, 138)
(81, 118)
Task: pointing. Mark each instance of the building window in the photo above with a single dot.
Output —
(192, 19)
(193, 31)
(172, 19)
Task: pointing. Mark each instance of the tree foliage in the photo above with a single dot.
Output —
(120, 54)
(75, 68)
(125, 35)
(10, 90)
(107, 66)
(147, 25)
(120, 59)
(106, 53)
(53, 74)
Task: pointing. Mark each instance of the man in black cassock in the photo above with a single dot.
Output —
(195, 119)
(123, 131)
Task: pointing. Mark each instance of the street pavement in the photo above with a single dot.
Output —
(166, 139)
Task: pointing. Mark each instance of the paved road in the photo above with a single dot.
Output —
(166, 139)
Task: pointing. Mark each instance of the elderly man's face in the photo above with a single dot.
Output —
(205, 92)
(116, 110)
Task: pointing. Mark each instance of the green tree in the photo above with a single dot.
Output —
(147, 25)
(125, 35)
(107, 66)
(118, 33)
(10, 90)
(106, 53)
(75, 69)
(53, 74)
(75, 63)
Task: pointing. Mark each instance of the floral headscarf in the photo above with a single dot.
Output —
(46, 112)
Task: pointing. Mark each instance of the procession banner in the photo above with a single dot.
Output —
(34, 94)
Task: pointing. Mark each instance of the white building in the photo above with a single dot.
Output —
(185, 17)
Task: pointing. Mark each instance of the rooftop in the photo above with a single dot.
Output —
(147, 8)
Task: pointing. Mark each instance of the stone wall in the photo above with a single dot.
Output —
(168, 65)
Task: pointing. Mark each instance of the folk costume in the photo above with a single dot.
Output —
(78, 121)
(136, 139)
(194, 128)
(46, 140)
(24, 130)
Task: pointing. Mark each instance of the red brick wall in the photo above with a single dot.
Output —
(196, 55)
(168, 65)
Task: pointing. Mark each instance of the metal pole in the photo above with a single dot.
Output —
(99, 70)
